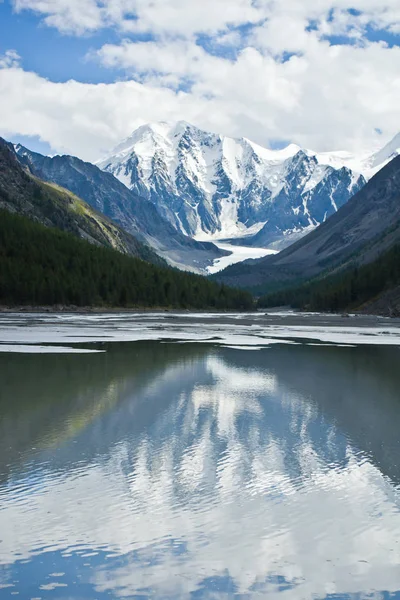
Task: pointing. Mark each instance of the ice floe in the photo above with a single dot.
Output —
(33, 332)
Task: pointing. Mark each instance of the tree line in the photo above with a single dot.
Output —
(43, 266)
(342, 291)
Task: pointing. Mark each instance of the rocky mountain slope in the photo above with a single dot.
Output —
(137, 216)
(367, 226)
(53, 206)
(212, 187)
(179, 189)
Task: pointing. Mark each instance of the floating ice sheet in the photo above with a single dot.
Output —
(36, 349)
(20, 332)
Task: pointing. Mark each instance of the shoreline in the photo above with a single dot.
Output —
(114, 309)
(271, 316)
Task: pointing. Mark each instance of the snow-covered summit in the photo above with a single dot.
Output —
(165, 136)
(382, 157)
(211, 186)
(367, 163)
(152, 134)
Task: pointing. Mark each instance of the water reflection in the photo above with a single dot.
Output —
(185, 471)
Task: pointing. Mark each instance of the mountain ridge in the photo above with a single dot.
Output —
(138, 217)
(186, 192)
(214, 187)
(53, 206)
(361, 230)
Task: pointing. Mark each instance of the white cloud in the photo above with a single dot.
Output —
(331, 97)
(325, 97)
(9, 59)
(185, 17)
(68, 16)
(173, 16)
(81, 118)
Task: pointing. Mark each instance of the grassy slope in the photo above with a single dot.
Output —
(53, 206)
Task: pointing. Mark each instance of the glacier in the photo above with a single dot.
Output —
(237, 254)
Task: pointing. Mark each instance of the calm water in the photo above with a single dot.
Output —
(160, 470)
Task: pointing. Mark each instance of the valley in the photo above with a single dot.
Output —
(184, 191)
(248, 217)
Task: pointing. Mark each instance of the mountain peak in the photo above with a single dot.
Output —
(275, 155)
(166, 129)
(150, 135)
(165, 134)
(388, 152)
(211, 186)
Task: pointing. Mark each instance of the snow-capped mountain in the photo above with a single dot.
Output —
(376, 161)
(213, 187)
(367, 164)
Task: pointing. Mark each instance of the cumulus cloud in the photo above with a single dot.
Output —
(186, 18)
(80, 118)
(267, 71)
(68, 16)
(159, 16)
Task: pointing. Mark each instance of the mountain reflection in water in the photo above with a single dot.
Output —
(186, 471)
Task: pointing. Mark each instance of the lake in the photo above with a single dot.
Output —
(181, 456)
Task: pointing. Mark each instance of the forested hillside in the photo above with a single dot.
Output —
(45, 266)
(54, 206)
(372, 285)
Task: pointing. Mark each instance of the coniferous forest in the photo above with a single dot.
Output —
(348, 289)
(43, 266)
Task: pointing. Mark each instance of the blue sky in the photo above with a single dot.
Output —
(50, 53)
(276, 72)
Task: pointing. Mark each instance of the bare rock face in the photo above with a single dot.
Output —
(209, 186)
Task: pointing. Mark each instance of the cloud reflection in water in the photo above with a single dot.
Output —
(244, 478)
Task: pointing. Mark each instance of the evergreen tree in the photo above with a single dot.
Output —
(43, 266)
